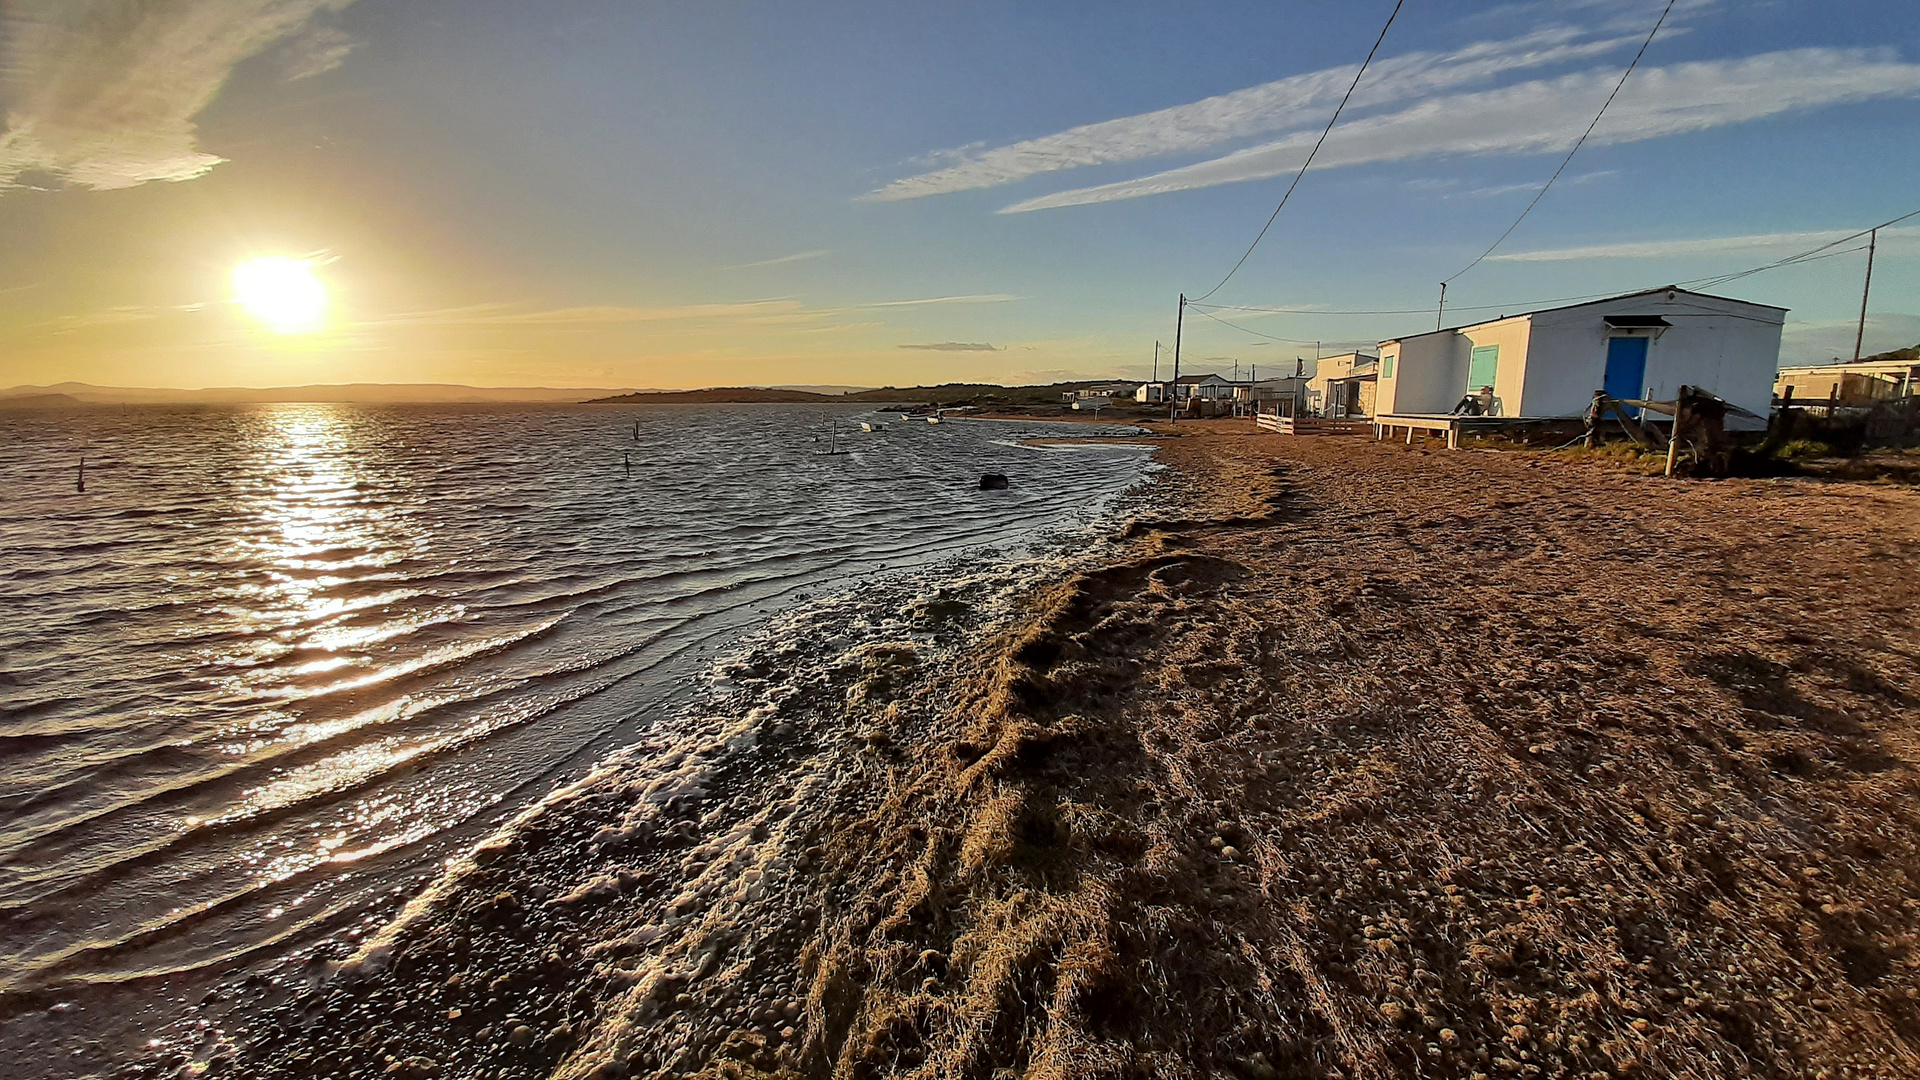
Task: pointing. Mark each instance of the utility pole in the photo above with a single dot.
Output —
(1156, 361)
(1173, 390)
(1872, 239)
(1440, 320)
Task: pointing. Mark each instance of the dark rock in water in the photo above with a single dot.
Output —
(993, 481)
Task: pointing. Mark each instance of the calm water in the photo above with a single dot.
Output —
(279, 660)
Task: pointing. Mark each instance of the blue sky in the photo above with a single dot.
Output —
(621, 194)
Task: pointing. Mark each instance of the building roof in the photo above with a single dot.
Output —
(1855, 367)
(1585, 303)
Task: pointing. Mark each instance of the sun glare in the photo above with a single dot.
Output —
(283, 294)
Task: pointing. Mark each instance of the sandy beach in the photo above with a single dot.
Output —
(1340, 759)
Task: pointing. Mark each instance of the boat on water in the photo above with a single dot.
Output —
(865, 426)
(934, 419)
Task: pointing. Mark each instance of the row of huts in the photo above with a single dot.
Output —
(1549, 362)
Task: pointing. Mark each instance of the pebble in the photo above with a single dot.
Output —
(521, 1036)
(1230, 853)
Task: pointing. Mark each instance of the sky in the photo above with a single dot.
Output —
(610, 193)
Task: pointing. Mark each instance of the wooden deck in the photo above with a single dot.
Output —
(1388, 425)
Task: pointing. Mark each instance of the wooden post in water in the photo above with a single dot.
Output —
(80, 476)
(627, 460)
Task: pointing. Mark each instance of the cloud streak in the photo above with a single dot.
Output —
(970, 298)
(954, 346)
(1713, 245)
(798, 256)
(103, 93)
(1258, 110)
(1547, 116)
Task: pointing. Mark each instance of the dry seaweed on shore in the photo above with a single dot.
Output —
(1360, 761)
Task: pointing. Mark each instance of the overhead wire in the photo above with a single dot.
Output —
(1582, 141)
(1315, 151)
(1256, 333)
(1811, 255)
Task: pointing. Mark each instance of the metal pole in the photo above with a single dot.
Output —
(1440, 320)
(1173, 391)
(1872, 239)
(1156, 361)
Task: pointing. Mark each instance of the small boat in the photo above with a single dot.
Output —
(865, 426)
(934, 419)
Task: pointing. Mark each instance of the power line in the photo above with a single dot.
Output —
(1542, 193)
(1256, 333)
(1316, 149)
(1810, 254)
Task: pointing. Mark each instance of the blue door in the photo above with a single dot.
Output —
(1626, 368)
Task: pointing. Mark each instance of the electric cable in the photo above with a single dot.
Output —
(1316, 150)
(1542, 193)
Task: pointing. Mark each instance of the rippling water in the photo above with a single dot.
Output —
(276, 660)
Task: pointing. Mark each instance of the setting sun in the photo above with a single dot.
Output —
(283, 294)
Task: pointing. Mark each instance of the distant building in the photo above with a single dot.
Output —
(1342, 385)
(1208, 387)
(1548, 363)
(1849, 382)
(1291, 388)
(1109, 392)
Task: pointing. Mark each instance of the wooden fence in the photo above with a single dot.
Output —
(1307, 425)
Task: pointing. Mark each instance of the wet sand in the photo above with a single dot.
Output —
(1342, 759)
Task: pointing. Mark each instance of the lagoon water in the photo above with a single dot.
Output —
(276, 663)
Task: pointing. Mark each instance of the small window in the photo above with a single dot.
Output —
(1386, 366)
(1484, 369)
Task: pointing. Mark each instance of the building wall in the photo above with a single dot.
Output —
(1429, 374)
(1723, 346)
(1332, 367)
(1514, 337)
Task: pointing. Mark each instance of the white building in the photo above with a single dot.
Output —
(1208, 387)
(1548, 363)
(1351, 370)
(1849, 382)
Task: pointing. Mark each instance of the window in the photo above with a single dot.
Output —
(1386, 366)
(1484, 369)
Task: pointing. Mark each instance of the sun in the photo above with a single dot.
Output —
(284, 294)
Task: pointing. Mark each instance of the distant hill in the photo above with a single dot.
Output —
(40, 401)
(981, 394)
(1909, 353)
(366, 393)
(730, 395)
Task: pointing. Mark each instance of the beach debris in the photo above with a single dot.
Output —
(993, 481)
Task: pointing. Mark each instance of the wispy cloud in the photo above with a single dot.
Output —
(798, 256)
(1823, 341)
(954, 346)
(1531, 186)
(103, 93)
(970, 298)
(315, 52)
(602, 315)
(1258, 110)
(1546, 116)
(1712, 245)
